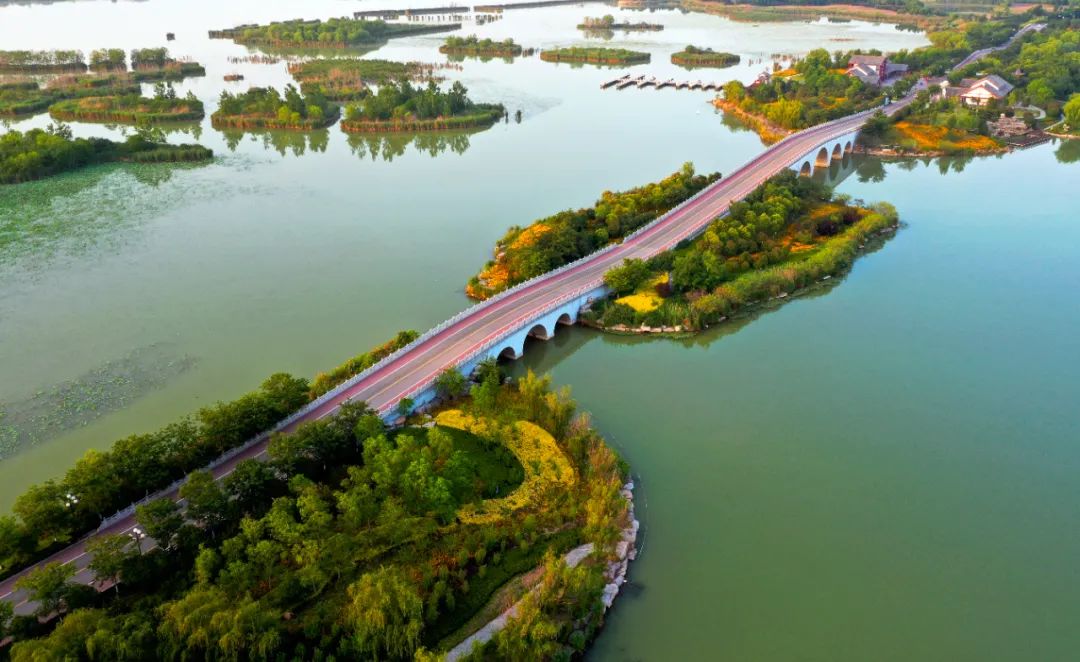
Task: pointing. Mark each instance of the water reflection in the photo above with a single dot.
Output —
(392, 145)
(76, 212)
(1068, 151)
(284, 143)
(605, 35)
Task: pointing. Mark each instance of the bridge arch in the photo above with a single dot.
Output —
(565, 319)
(848, 146)
(540, 331)
(837, 152)
(509, 353)
(822, 159)
(806, 169)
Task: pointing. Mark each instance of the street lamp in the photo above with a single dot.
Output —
(138, 535)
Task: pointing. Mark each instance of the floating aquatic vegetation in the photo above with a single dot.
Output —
(76, 403)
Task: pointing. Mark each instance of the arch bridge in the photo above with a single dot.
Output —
(824, 154)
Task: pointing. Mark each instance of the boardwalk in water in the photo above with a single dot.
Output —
(643, 82)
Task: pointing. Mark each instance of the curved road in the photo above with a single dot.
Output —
(385, 386)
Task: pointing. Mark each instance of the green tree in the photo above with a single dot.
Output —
(251, 484)
(626, 277)
(48, 586)
(485, 395)
(405, 407)
(450, 383)
(1072, 112)
(385, 615)
(46, 511)
(161, 520)
(207, 503)
(109, 554)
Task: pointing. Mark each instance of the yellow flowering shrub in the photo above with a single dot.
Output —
(546, 466)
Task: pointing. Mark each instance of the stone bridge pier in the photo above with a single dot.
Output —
(823, 155)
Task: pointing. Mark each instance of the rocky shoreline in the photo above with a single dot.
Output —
(625, 551)
(618, 563)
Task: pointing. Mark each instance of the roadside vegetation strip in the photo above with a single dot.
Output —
(611, 56)
(551, 242)
(107, 481)
(787, 235)
(347, 543)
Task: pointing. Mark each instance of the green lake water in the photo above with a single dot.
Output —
(886, 470)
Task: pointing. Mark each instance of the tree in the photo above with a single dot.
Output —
(878, 125)
(628, 276)
(485, 395)
(109, 554)
(48, 586)
(45, 510)
(1072, 112)
(207, 504)
(450, 384)
(405, 407)
(251, 484)
(489, 365)
(161, 520)
(7, 612)
(385, 615)
(734, 91)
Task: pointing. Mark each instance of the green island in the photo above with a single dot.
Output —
(331, 33)
(351, 541)
(347, 79)
(473, 46)
(549, 243)
(164, 106)
(401, 107)
(695, 56)
(155, 64)
(28, 97)
(266, 108)
(42, 62)
(147, 64)
(789, 234)
(579, 54)
(108, 59)
(607, 23)
(40, 153)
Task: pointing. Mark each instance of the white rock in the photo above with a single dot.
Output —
(629, 486)
(621, 548)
